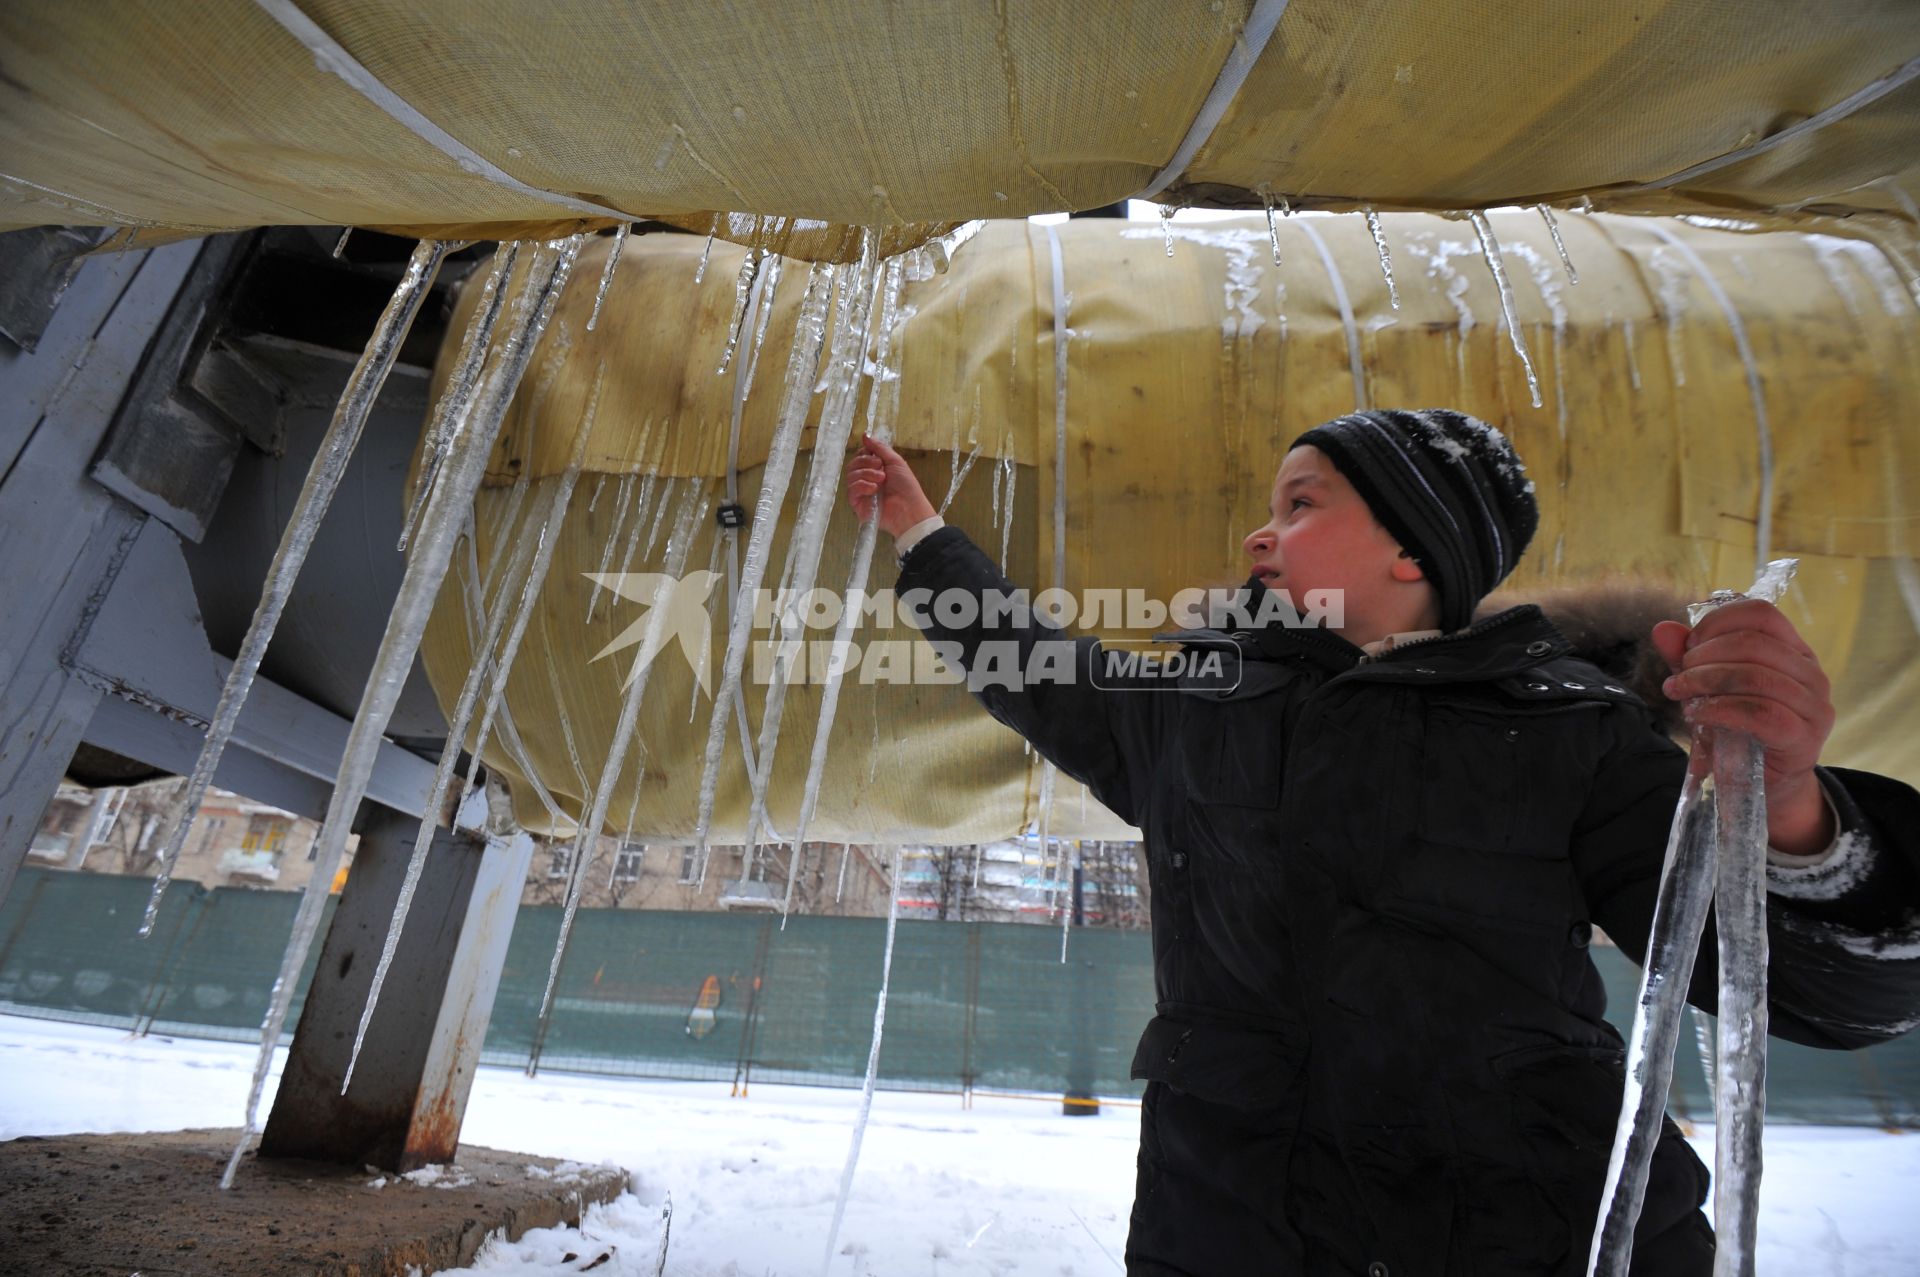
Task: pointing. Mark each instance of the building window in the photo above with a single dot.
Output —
(626, 862)
(266, 834)
(689, 864)
(559, 861)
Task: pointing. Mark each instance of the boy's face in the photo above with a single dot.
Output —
(1322, 536)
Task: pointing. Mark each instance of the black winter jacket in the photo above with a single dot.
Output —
(1380, 1045)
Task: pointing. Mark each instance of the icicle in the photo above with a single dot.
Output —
(666, 1231)
(1679, 914)
(606, 276)
(1066, 914)
(959, 471)
(473, 437)
(858, 302)
(522, 554)
(687, 519)
(316, 494)
(771, 278)
(742, 291)
(1048, 775)
(1490, 249)
(622, 505)
(340, 245)
(809, 331)
(1166, 226)
(1008, 471)
(873, 1069)
(1559, 245)
(474, 344)
(880, 423)
(1714, 852)
(706, 250)
(1386, 258)
(846, 849)
(1273, 225)
(1740, 911)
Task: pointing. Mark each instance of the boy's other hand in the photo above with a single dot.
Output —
(1745, 668)
(879, 473)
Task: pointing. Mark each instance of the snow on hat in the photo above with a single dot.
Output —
(1449, 487)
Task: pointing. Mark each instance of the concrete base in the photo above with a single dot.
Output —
(110, 1205)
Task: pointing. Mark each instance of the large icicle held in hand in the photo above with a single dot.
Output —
(472, 441)
(532, 532)
(687, 521)
(316, 494)
(883, 403)
(1679, 914)
(1715, 849)
(1740, 894)
(1490, 249)
(808, 334)
(804, 547)
(873, 1069)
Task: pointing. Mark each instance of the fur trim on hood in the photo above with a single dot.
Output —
(1610, 621)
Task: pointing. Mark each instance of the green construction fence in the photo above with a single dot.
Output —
(739, 998)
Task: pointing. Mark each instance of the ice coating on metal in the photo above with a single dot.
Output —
(606, 275)
(1679, 915)
(1490, 249)
(458, 395)
(1273, 225)
(316, 495)
(808, 337)
(1166, 226)
(1770, 584)
(873, 1069)
(1386, 256)
(472, 441)
(524, 546)
(858, 300)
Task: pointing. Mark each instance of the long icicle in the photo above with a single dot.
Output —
(467, 362)
(316, 494)
(1679, 915)
(1559, 245)
(873, 1071)
(809, 330)
(546, 277)
(880, 419)
(1490, 249)
(443, 775)
(687, 521)
(606, 275)
(1386, 257)
(858, 302)
(1740, 910)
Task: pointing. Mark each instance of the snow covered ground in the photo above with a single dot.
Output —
(1007, 1187)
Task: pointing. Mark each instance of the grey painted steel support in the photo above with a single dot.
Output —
(410, 1088)
(63, 538)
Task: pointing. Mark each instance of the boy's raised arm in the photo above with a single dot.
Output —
(1102, 739)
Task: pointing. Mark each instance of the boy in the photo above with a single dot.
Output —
(1378, 862)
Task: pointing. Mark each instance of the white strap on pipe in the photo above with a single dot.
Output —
(1838, 111)
(1354, 362)
(329, 55)
(1061, 335)
(1245, 52)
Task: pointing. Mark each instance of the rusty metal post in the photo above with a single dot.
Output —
(410, 1088)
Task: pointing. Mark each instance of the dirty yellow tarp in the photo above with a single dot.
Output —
(1185, 379)
(910, 113)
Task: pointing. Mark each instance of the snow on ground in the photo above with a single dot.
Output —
(1007, 1187)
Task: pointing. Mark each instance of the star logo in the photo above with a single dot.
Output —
(676, 609)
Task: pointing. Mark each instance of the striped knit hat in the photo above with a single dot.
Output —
(1450, 489)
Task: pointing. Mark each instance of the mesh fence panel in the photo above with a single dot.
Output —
(735, 997)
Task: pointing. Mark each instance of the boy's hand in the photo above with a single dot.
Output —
(878, 471)
(1745, 668)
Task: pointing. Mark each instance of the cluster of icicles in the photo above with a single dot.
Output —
(518, 298)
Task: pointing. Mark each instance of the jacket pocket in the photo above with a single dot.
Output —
(1232, 744)
(1223, 1064)
(1503, 778)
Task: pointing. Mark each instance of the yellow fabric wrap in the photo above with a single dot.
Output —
(1186, 378)
(913, 114)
